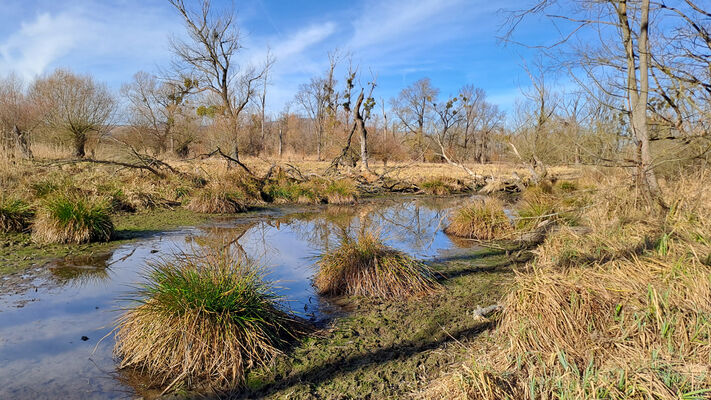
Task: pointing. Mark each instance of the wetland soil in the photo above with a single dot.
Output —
(390, 349)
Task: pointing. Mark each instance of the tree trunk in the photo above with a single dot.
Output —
(79, 145)
(363, 133)
(281, 142)
(22, 144)
(638, 96)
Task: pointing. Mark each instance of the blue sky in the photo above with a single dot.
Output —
(454, 42)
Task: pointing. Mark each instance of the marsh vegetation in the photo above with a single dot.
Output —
(426, 246)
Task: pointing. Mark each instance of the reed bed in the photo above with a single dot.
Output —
(72, 218)
(628, 318)
(202, 321)
(365, 266)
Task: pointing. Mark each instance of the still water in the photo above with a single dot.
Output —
(51, 326)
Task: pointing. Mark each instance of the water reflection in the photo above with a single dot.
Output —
(42, 354)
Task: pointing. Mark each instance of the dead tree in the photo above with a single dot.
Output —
(361, 113)
(209, 53)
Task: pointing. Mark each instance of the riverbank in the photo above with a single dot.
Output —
(18, 252)
(387, 349)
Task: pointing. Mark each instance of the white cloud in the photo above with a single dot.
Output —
(390, 21)
(111, 42)
(39, 43)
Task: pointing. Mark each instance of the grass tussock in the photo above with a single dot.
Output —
(214, 199)
(367, 267)
(203, 321)
(481, 219)
(627, 317)
(72, 218)
(342, 191)
(441, 186)
(15, 215)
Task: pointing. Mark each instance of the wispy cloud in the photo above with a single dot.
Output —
(38, 43)
(96, 37)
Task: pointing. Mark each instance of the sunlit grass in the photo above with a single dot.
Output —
(72, 218)
(365, 266)
(480, 219)
(203, 320)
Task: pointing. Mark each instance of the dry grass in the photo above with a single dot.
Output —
(72, 218)
(367, 267)
(482, 219)
(214, 199)
(15, 215)
(441, 185)
(628, 317)
(203, 321)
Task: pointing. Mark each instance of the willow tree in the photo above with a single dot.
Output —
(74, 105)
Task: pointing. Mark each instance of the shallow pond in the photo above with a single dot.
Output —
(51, 328)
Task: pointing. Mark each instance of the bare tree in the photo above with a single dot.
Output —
(480, 119)
(628, 51)
(263, 99)
(158, 109)
(413, 109)
(210, 52)
(19, 115)
(75, 106)
(320, 101)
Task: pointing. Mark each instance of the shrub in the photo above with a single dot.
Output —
(203, 320)
(568, 186)
(15, 215)
(482, 220)
(367, 267)
(216, 200)
(72, 218)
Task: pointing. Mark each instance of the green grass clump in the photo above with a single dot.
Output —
(367, 267)
(15, 215)
(217, 200)
(72, 218)
(42, 189)
(440, 186)
(481, 220)
(568, 186)
(202, 321)
(342, 191)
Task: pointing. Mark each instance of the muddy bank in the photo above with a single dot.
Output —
(54, 315)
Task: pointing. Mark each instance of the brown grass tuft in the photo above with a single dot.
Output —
(481, 219)
(72, 218)
(367, 267)
(626, 316)
(15, 215)
(214, 199)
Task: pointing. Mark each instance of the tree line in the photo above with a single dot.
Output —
(641, 99)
